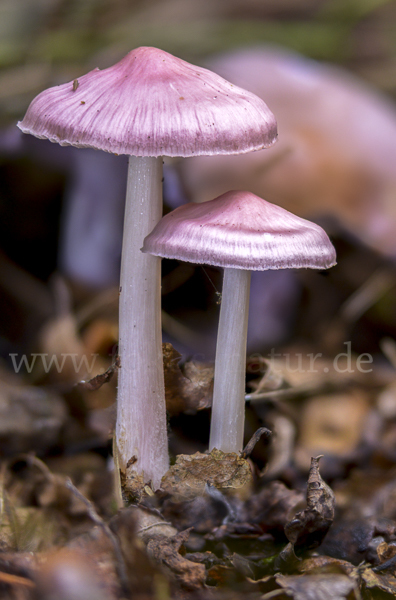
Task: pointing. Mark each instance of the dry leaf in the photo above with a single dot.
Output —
(308, 528)
(191, 473)
(188, 389)
(166, 551)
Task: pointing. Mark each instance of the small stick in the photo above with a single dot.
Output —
(380, 282)
(16, 580)
(388, 347)
(161, 524)
(120, 563)
(248, 449)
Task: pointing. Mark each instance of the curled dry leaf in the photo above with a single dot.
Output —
(308, 527)
(96, 382)
(189, 476)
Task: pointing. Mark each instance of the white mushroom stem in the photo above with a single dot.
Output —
(141, 433)
(228, 408)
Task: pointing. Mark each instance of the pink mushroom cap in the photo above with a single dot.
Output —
(240, 230)
(152, 104)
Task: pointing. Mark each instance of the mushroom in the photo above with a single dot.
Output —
(148, 105)
(338, 144)
(240, 232)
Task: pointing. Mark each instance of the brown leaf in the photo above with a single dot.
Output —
(379, 585)
(272, 507)
(325, 564)
(356, 540)
(166, 551)
(96, 382)
(386, 551)
(186, 390)
(189, 476)
(221, 575)
(202, 513)
(198, 385)
(326, 587)
(308, 527)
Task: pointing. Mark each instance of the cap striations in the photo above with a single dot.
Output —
(151, 104)
(240, 230)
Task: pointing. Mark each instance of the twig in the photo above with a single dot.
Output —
(248, 449)
(388, 347)
(120, 563)
(388, 564)
(289, 392)
(154, 525)
(105, 300)
(16, 580)
(380, 282)
(181, 332)
(273, 594)
(311, 387)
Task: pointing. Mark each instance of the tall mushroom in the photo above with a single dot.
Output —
(240, 232)
(148, 105)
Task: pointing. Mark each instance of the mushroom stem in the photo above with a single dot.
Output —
(141, 433)
(228, 408)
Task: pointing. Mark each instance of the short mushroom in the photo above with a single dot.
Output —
(240, 232)
(148, 105)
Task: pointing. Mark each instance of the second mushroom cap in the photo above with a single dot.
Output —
(240, 230)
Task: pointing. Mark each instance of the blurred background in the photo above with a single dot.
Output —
(327, 70)
(61, 210)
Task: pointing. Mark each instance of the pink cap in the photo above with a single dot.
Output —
(152, 104)
(240, 230)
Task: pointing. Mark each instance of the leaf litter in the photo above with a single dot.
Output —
(273, 522)
(217, 525)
